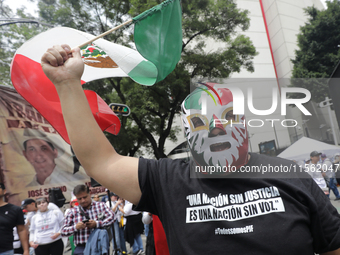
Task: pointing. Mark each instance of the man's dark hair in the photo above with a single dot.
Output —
(80, 188)
(2, 186)
(49, 143)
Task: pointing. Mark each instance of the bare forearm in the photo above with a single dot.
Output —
(99, 159)
(336, 252)
(90, 145)
(23, 236)
(88, 141)
(115, 207)
(121, 209)
(65, 68)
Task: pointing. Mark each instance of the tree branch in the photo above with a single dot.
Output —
(99, 19)
(170, 121)
(148, 135)
(153, 111)
(197, 34)
(135, 147)
(118, 89)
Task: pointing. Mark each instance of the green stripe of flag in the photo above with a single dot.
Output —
(158, 37)
(144, 73)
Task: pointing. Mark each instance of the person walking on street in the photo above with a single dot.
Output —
(314, 169)
(328, 168)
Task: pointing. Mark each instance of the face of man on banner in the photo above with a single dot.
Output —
(216, 137)
(41, 154)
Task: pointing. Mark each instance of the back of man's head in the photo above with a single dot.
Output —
(29, 201)
(80, 189)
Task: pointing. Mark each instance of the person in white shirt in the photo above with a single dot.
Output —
(45, 230)
(117, 206)
(30, 206)
(329, 169)
(314, 169)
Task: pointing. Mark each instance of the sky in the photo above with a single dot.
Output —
(14, 4)
(31, 7)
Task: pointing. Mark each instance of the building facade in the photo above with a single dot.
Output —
(274, 25)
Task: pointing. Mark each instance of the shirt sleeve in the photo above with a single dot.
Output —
(157, 179)
(127, 208)
(69, 227)
(61, 219)
(148, 176)
(29, 217)
(52, 206)
(20, 217)
(32, 229)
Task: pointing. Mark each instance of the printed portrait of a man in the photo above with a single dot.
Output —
(41, 151)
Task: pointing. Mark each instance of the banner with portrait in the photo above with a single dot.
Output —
(33, 157)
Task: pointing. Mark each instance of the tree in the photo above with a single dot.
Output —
(318, 52)
(11, 37)
(153, 109)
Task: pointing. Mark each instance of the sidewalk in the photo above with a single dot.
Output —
(129, 249)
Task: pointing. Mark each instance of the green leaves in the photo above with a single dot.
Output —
(212, 48)
(11, 38)
(318, 52)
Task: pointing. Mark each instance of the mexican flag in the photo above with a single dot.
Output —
(30, 81)
(158, 39)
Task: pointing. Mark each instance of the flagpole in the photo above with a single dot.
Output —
(105, 33)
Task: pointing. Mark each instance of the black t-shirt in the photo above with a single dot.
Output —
(239, 215)
(10, 217)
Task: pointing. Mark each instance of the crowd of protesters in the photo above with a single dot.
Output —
(324, 171)
(51, 231)
(46, 224)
